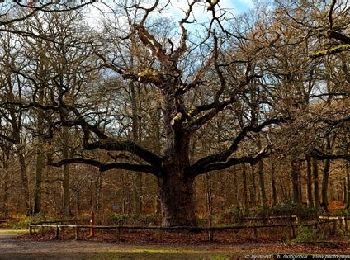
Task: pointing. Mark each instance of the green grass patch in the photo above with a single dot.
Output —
(13, 231)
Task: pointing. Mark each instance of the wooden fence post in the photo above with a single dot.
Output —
(92, 223)
(210, 234)
(118, 231)
(255, 230)
(334, 227)
(57, 232)
(346, 224)
(76, 233)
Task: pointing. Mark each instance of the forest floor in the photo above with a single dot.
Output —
(14, 246)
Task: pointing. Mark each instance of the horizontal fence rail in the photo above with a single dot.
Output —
(293, 225)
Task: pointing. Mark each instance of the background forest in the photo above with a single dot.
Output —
(151, 117)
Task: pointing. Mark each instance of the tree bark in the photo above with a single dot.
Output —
(262, 183)
(245, 188)
(40, 159)
(347, 204)
(295, 172)
(176, 196)
(325, 182)
(175, 184)
(6, 185)
(253, 192)
(39, 169)
(137, 179)
(235, 188)
(66, 181)
(316, 183)
(309, 182)
(24, 178)
(273, 186)
(209, 206)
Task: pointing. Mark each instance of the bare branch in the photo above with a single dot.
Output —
(319, 155)
(215, 107)
(221, 158)
(127, 146)
(144, 168)
(330, 14)
(41, 8)
(251, 159)
(339, 36)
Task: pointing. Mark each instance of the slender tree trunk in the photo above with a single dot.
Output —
(6, 186)
(262, 183)
(137, 181)
(253, 192)
(208, 189)
(325, 184)
(295, 173)
(77, 203)
(300, 186)
(24, 178)
(345, 193)
(40, 156)
(273, 185)
(348, 185)
(66, 174)
(157, 149)
(316, 183)
(284, 191)
(39, 169)
(309, 182)
(99, 198)
(245, 188)
(235, 188)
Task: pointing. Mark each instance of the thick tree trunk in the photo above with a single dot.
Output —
(176, 196)
(175, 186)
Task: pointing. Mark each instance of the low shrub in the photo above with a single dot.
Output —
(306, 235)
(22, 221)
(291, 208)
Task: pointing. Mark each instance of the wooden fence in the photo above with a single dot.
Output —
(292, 223)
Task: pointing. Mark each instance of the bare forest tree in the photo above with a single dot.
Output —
(260, 97)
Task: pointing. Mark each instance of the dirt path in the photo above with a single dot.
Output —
(13, 248)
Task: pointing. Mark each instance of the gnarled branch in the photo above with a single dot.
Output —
(144, 168)
(222, 158)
